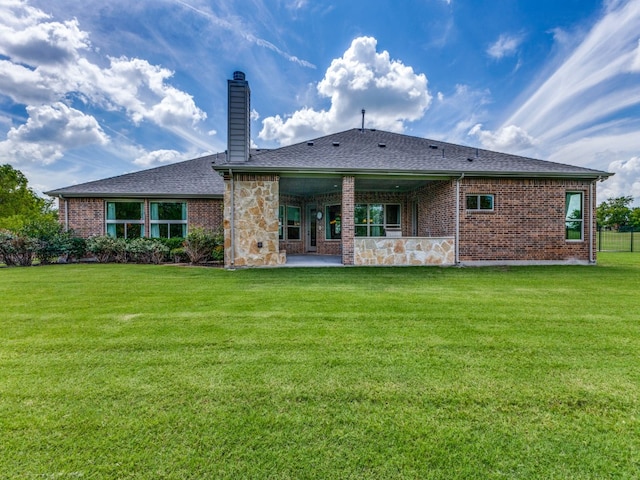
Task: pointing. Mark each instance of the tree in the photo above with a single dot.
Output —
(614, 213)
(19, 204)
(634, 218)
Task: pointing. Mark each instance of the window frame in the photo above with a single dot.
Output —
(284, 219)
(568, 219)
(369, 224)
(125, 222)
(333, 226)
(157, 223)
(478, 198)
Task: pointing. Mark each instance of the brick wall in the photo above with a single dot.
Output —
(348, 230)
(527, 223)
(437, 209)
(86, 216)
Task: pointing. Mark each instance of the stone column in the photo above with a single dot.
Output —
(347, 221)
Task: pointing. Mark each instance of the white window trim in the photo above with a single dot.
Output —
(386, 226)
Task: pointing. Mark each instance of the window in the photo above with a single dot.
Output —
(573, 216)
(480, 202)
(293, 223)
(289, 217)
(125, 219)
(374, 219)
(333, 218)
(168, 219)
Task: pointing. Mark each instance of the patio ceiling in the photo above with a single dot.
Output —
(305, 186)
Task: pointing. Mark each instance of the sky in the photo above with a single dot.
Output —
(92, 89)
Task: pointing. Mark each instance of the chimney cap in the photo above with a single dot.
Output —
(238, 75)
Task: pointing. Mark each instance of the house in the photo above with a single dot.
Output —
(370, 197)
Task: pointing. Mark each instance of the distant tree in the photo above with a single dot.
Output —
(634, 218)
(615, 212)
(19, 204)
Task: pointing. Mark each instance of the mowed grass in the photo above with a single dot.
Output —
(151, 372)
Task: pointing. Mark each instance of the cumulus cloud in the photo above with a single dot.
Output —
(49, 131)
(48, 64)
(505, 46)
(158, 157)
(625, 182)
(506, 139)
(391, 92)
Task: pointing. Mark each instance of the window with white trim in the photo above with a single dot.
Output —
(289, 222)
(168, 219)
(125, 219)
(333, 219)
(480, 202)
(374, 219)
(574, 216)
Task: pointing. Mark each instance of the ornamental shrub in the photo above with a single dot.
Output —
(16, 249)
(200, 243)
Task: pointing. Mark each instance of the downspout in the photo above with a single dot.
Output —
(66, 213)
(233, 216)
(591, 256)
(457, 249)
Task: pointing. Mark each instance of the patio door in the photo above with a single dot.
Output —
(311, 228)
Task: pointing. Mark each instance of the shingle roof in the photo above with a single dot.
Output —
(378, 151)
(191, 178)
(368, 151)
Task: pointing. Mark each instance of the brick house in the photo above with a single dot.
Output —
(368, 197)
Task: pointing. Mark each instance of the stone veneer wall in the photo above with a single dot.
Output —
(255, 221)
(404, 251)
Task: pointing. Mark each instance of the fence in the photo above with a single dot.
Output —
(609, 241)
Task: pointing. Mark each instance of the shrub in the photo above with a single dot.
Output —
(144, 250)
(200, 244)
(107, 249)
(17, 249)
(178, 255)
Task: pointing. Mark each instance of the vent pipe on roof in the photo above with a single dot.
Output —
(363, 112)
(238, 119)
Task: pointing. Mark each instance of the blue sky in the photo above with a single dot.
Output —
(91, 89)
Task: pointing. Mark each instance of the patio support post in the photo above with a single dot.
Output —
(347, 221)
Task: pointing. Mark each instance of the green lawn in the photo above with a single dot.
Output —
(134, 371)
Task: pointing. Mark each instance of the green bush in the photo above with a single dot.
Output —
(51, 241)
(146, 250)
(107, 249)
(17, 249)
(200, 245)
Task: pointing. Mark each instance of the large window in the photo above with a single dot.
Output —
(573, 216)
(289, 222)
(125, 219)
(168, 219)
(374, 219)
(480, 202)
(333, 219)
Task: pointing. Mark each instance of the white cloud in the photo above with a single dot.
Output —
(506, 139)
(158, 157)
(48, 64)
(391, 92)
(49, 131)
(625, 182)
(596, 71)
(505, 46)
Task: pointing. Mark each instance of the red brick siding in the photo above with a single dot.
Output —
(206, 213)
(437, 209)
(348, 230)
(527, 224)
(87, 215)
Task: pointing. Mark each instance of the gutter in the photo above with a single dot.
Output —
(591, 232)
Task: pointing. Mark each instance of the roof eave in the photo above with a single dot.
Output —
(589, 174)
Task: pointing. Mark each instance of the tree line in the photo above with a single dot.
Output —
(617, 214)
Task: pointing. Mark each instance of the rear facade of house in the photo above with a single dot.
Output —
(368, 197)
